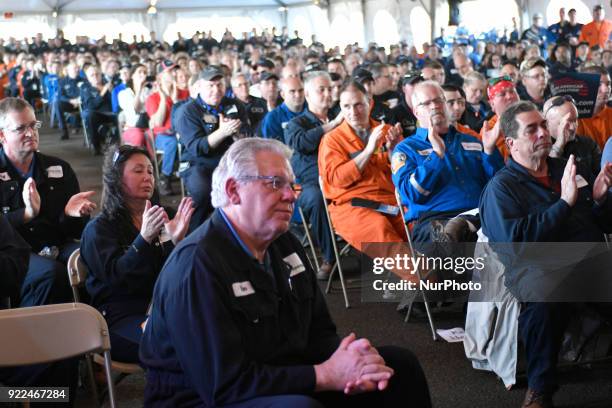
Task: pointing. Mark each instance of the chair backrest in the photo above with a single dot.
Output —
(77, 270)
(326, 202)
(41, 334)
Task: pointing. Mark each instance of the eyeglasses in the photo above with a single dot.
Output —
(435, 101)
(537, 76)
(20, 130)
(277, 183)
(495, 81)
(558, 101)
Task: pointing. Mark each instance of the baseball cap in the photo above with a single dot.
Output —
(166, 65)
(362, 75)
(268, 75)
(538, 15)
(211, 72)
(531, 63)
(264, 62)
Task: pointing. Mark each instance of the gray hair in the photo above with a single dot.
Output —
(311, 76)
(8, 105)
(239, 161)
(425, 84)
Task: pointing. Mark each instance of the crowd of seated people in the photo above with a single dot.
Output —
(367, 122)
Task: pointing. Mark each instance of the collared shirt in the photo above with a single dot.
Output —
(303, 134)
(515, 207)
(26, 175)
(195, 121)
(275, 121)
(219, 333)
(428, 183)
(69, 88)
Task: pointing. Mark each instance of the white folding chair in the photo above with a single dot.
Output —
(77, 274)
(337, 254)
(150, 138)
(306, 226)
(418, 273)
(44, 334)
(179, 150)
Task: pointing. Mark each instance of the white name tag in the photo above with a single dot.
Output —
(284, 124)
(296, 264)
(472, 146)
(4, 176)
(580, 181)
(425, 152)
(55, 172)
(242, 288)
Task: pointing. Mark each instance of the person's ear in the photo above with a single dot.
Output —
(231, 191)
(510, 144)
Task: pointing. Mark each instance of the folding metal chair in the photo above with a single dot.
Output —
(150, 138)
(418, 274)
(44, 334)
(179, 150)
(337, 254)
(306, 226)
(86, 135)
(77, 274)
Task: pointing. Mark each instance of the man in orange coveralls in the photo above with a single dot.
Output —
(599, 126)
(354, 164)
(502, 93)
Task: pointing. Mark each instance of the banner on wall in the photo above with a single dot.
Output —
(582, 87)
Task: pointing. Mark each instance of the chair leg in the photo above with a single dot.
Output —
(431, 323)
(109, 379)
(92, 380)
(309, 237)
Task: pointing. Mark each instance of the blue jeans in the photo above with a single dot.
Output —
(169, 145)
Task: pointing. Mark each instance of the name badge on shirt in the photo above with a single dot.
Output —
(242, 288)
(472, 146)
(4, 176)
(208, 118)
(284, 124)
(425, 152)
(296, 264)
(580, 181)
(55, 172)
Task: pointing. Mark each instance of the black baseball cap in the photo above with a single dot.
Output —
(211, 72)
(268, 75)
(362, 75)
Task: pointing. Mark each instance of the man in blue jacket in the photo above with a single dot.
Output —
(69, 96)
(438, 171)
(304, 134)
(537, 198)
(207, 126)
(238, 318)
(275, 121)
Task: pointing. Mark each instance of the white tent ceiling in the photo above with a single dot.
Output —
(38, 6)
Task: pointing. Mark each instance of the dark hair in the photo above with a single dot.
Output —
(352, 84)
(509, 125)
(453, 88)
(113, 200)
(432, 64)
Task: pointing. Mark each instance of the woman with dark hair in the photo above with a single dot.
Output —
(126, 245)
(132, 103)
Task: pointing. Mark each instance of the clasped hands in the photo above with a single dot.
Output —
(355, 367)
